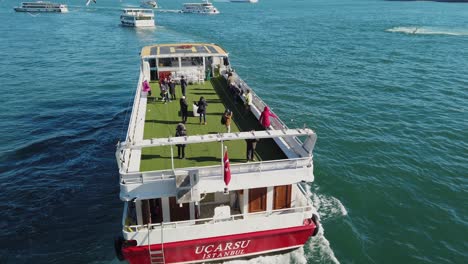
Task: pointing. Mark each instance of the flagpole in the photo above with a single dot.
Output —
(223, 151)
(222, 157)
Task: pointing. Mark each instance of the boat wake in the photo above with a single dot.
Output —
(428, 31)
(318, 248)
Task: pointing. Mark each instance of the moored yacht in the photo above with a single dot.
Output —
(200, 8)
(41, 6)
(137, 17)
(212, 204)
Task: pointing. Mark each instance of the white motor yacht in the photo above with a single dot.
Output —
(41, 6)
(200, 8)
(137, 17)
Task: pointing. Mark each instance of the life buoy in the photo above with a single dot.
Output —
(118, 241)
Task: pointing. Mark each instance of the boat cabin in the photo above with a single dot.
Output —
(196, 63)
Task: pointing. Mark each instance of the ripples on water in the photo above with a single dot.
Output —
(383, 84)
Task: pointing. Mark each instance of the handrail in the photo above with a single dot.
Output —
(132, 123)
(195, 139)
(214, 170)
(276, 123)
(212, 220)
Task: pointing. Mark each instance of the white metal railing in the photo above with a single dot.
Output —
(215, 170)
(276, 123)
(212, 220)
(125, 155)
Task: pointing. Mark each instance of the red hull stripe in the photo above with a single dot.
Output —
(224, 247)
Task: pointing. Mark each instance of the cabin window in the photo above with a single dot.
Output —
(152, 63)
(191, 61)
(168, 62)
(143, 18)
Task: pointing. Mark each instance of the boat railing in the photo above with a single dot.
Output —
(276, 123)
(124, 156)
(216, 170)
(212, 220)
(259, 104)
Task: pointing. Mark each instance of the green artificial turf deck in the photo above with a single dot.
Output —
(162, 119)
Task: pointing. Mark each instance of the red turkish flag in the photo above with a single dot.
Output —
(227, 169)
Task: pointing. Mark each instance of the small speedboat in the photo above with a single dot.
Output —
(149, 4)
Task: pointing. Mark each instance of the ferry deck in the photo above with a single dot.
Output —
(176, 208)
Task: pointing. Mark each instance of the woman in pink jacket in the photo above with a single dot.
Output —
(146, 87)
(265, 117)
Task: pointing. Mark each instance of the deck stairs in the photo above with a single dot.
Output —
(156, 256)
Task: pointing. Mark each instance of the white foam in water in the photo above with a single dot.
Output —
(319, 247)
(297, 257)
(321, 250)
(327, 206)
(428, 31)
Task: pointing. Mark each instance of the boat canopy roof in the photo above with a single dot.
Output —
(184, 49)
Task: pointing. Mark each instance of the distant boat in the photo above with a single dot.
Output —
(89, 2)
(137, 17)
(41, 6)
(244, 1)
(149, 4)
(200, 8)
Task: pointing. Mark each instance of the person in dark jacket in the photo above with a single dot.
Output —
(163, 88)
(180, 132)
(183, 85)
(202, 104)
(251, 145)
(171, 85)
(183, 109)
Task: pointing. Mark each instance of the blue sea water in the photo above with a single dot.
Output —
(384, 84)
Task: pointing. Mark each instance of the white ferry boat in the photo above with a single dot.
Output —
(212, 204)
(137, 17)
(41, 6)
(149, 4)
(200, 8)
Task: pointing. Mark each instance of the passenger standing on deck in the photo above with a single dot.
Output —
(183, 85)
(183, 109)
(171, 85)
(181, 132)
(248, 100)
(146, 87)
(202, 104)
(231, 83)
(265, 117)
(251, 145)
(227, 118)
(163, 88)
